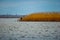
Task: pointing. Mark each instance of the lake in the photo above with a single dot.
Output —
(12, 29)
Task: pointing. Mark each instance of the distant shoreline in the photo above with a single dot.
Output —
(11, 16)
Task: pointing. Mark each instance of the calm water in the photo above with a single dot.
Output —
(12, 29)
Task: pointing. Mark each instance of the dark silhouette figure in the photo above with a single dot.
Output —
(21, 18)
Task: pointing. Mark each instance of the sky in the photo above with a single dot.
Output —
(24, 7)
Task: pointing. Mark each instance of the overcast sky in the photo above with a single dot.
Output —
(23, 7)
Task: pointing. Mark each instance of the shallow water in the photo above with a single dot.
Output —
(11, 29)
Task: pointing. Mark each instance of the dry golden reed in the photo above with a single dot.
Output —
(47, 16)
